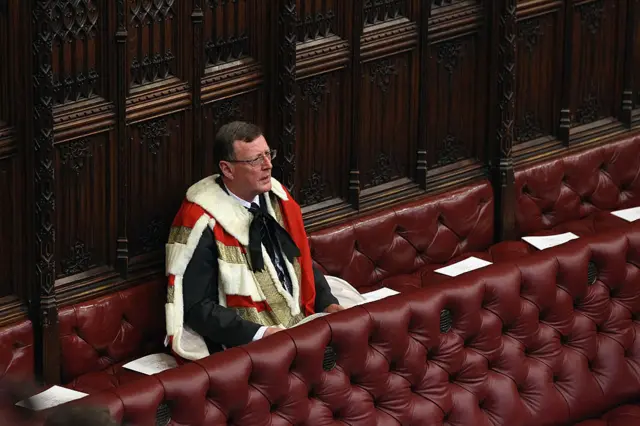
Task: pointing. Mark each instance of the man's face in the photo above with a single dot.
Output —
(249, 180)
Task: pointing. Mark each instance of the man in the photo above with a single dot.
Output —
(238, 258)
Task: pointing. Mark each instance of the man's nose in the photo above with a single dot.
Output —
(266, 164)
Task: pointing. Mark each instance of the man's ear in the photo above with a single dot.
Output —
(226, 169)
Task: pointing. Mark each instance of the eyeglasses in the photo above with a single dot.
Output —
(259, 160)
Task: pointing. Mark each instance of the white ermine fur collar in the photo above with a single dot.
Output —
(233, 217)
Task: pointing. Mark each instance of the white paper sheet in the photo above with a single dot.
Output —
(630, 215)
(52, 397)
(378, 294)
(311, 318)
(548, 241)
(152, 364)
(345, 293)
(459, 268)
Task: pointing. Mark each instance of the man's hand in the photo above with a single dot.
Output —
(272, 330)
(334, 308)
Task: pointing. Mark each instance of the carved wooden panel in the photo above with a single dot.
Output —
(539, 66)
(5, 81)
(457, 97)
(9, 228)
(84, 223)
(317, 19)
(154, 31)
(160, 173)
(376, 11)
(78, 55)
(227, 30)
(322, 155)
(633, 48)
(595, 61)
(388, 140)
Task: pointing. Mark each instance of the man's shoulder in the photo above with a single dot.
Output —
(188, 214)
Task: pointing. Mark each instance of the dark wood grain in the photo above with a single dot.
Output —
(321, 121)
(8, 228)
(83, 180)
(48, 347)
(539, 62)
(160, 175)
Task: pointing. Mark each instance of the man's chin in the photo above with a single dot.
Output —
(266, 185)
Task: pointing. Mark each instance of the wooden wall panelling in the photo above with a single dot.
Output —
(633, 58)
(502, 115)
(6, 51)
(539, 66)
(596, 71)
(14, 294)
(85, 214)
(197, 18)
(237, 61)
(122, 164)
(357, 17)
(323, 108)
(422, 165)
(457, 102)
(45, 213)
(160, 172)
(158, 142)
(84, 146)
(286, 114)
(564, 126)
(628, 51)
(388, 101)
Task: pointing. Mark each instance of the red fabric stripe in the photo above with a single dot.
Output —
(294, 224)
(172, 280)
(237, 301)
(225, 238)
(188, 214)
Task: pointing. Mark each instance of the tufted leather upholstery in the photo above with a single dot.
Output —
(531, 344)
(571, 193)
(401, 246)
(16, 352)
(16, 371)
(100, 335)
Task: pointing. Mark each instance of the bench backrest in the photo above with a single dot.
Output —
(16, 352)
(120, 326)
(604, 178)
(400, 240)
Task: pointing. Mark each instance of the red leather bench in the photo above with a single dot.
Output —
(575, 193)
(99, 336)
(16, 371)
(16, 352)
(529, 343)
(400, 248)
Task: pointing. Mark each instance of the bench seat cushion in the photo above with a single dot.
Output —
(109, 378)
(426, 276)
(100, 335)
